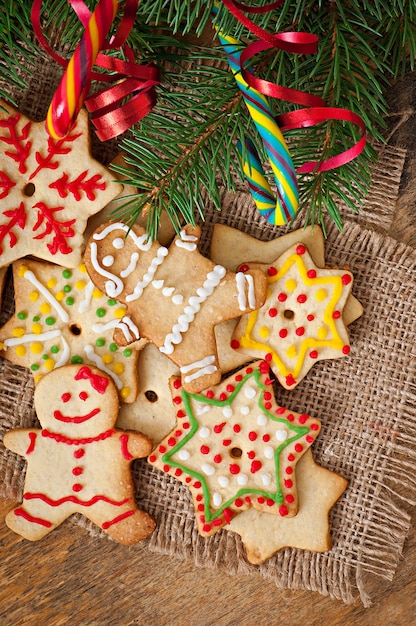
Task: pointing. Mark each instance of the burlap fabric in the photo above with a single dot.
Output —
(366, 403)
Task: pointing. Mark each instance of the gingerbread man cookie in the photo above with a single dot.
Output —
(174, 296)
(48, 189)
(78, 462)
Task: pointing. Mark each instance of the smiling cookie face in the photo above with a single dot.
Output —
(81, 399)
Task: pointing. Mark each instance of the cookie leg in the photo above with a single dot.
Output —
(129, 527)
(30, 524)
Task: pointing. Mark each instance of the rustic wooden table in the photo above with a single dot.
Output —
(71, 578)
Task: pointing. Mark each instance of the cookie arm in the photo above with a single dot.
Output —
(21, 441)
(135, 445)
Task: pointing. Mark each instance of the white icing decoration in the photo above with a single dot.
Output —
(227, 411)
(268, 452)
(114, 286)
(168, 291)
(131, 266)
(281, 434)
(249, 392)
(118, 243)
(149, 275)
(242, 479)
(266, 479)
(97, 360)
(245, 282)
(158, 284)
(102, 328)
(108, 260)
(85, 304)
(204, 432)
(65, 354)
(175, 336)
(223, 481)
(29, 275)
(183, 455)
(17, 341)
(188, 242)
(216, 499)
(262, 419)
(203, 367)
(245, 410)
(177, 298)
(129, 329)
(200, 410)
(208, 469)
(142, 241)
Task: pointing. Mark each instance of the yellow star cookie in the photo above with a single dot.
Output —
(318, 490)
(48, 189)
(62, 318)
(301, 321)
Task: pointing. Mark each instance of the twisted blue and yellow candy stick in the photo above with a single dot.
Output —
(281, 209)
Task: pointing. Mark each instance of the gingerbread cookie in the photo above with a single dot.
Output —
(61, 318)
(174, 295)
(77, 462)
(48, 189)
(318, 490)
(235, 447)
(301, 321)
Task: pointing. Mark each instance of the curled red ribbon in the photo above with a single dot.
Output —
(316, 111)
(131, 95)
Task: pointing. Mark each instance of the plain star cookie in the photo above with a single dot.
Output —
(301, 321)
(318, 490)
(61, 318)
(78, 462)
(174, 296)
(48, 189)
(235, 448)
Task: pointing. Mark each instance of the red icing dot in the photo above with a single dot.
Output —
(268, 405)
(283, 510)
(200, 507)
(177, 400)
(300, 331)
(248, 499)
(178, 433)
(298, 447)
(218, 428)
(309, 439)
(313, 354)
(188, 479)
(336, 315)
(314, 426)
(79, 453)
(244, 268)
(238, 502)
(290, 417)
(210, 394)
(282, 297)
(252, 435)
(266, 438)
(77, 471)
(255, 466)
(310, 317)
(288, 483)
(289, 470)
(251, 454)
(239, 377)
(300, 249)
(290, 457)
(223, 396)
(226, 442)
(197, 484)
(166, 468)
(346, 350)
(272, 271)
(346, 279)
(236, 428)
(204, 449)
(199, 497)
(301, 298)
(249, 370)
(178, 471)
(152, 458)
(268, 357)
(77, 487)
(217, 522)
(283, 333)
(177, 383)
(311, 273)
(217, 458)
(273, 312)
(261, 500)
(303, 418)
(206, 528)
(267, 395)
(234, 468)
(66, 397)
(180, 413)
(186, 425)
(171, 441)
(162, 449)
(290, 380)
(235, 344)
(290, 498)
(83, 396)
(230, 388)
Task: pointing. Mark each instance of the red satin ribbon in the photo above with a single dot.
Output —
(316, 111)
(131, 81)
